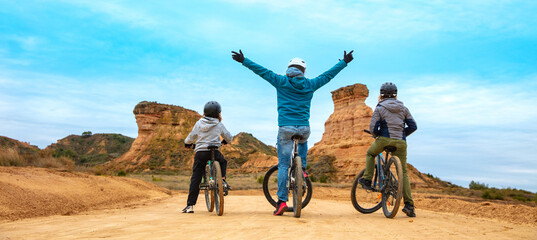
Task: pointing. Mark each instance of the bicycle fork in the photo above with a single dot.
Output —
(291, 179)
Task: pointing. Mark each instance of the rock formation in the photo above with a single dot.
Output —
(345, 142)
(344, 137)
(161, 131)
(159, 146)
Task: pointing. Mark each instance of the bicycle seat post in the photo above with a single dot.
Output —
(296, 138)
(212, 149)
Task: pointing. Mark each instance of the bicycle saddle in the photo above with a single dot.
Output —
(390, 148)
(212, 147)
(296, 137)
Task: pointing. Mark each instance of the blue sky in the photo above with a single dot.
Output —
(466, 69)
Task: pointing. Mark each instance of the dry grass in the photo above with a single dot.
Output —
(182, 182)
(11, 157)
(237, 181)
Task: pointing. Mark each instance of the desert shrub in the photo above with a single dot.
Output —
(313, 178)
(98, 171)
(122, 173)
(322, 166)
(10, 157)
(492, 194)
(323, 179)
(478, 186)
(156, 179)
(260, 179)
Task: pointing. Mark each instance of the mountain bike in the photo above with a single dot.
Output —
(387, 186)
(212, 184)
(297, 182)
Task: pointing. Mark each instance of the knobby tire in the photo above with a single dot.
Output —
(218, 188)
(365, 195)
(393, 192)
(297, 187)
(209, 195)
(271, 176)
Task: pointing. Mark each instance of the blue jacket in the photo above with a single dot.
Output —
(294, 94)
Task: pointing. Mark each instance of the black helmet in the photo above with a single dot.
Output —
(212, 109)
(388, 90)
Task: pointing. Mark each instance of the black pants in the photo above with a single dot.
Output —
(198, 170)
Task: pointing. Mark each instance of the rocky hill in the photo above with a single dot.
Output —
(341, 152)
(91, 149)
(159, 146)
(16, 153)
(21, 147)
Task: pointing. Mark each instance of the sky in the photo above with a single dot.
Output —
(467, 70)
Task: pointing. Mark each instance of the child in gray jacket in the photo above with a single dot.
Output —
(206, 132)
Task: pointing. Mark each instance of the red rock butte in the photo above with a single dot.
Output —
(345, 139)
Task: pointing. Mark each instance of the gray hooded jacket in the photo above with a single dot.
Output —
(392, 119)
(206, 132)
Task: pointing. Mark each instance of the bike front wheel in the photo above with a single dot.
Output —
(270, 188)
(218, 188)
(297, 186)
(393, 191)
(208, 189)
(365, 201)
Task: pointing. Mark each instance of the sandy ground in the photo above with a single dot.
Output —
(38, 203)
(31, 192)
(249, 217)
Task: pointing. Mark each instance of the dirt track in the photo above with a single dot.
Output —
(249, 217)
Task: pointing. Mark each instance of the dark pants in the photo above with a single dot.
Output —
(198, 170)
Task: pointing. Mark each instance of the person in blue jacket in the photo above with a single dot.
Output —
(294, 94)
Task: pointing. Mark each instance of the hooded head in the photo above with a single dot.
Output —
(297, 63)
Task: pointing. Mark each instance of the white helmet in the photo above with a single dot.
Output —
(298, 62)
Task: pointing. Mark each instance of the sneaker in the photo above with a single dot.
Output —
(226, 187)
(409, 210)
(281, 207)
(366, 183)
(306, 175)
(188, 209)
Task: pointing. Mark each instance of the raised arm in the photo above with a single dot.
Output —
(324, 78)
(271, 77)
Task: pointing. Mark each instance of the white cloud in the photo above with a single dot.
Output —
(470, 101)
(124, 12)
(365, 21)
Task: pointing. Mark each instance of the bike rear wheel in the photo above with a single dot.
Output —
(393, 191)
(218, 188)
(297, 186)
(208, 189)
(365, 201)
(270, 188)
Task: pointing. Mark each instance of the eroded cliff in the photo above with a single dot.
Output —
(344, 143)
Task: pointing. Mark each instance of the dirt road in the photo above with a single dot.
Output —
(249, 217)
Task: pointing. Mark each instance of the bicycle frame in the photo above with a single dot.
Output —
(381, 162)
(290, 179)
(209, 168)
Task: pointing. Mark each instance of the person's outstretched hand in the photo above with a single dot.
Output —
(347, 57)
(238, 56)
